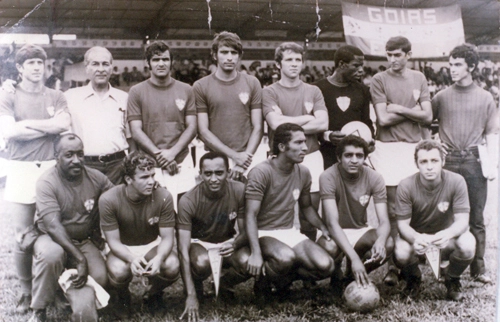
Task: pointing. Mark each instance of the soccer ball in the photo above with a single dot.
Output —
(361, 299)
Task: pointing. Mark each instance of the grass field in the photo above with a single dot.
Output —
(316, 304)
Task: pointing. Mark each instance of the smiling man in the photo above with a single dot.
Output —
(162, 116)
(290, 100)
(207, 217)
(467, 116)
(229, 108)
(432, 210)
(138, 222)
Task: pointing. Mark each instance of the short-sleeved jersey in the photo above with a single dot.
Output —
(352, 195)
(211, 216)
(278, 192)
(431, 210)
(75, 202)
(465, 114)
(406, 89)
(163, 112)
(139, 223)
(229, 105)
(100, 121)
(23, 105)
(303, 99)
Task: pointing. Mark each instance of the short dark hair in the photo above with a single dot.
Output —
(156, 48)
(86, 58)
(346, 54)
(283, 135)
(134, 160)
(398, 42)
(214, 155)
(59, 138)
(229, 39)
(296, 48)
(354, 141)
(30, 51)
(468, 52)
(429, 145)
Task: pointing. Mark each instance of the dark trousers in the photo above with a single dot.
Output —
(112, 170)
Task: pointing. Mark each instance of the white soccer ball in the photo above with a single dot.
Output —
(360, 299)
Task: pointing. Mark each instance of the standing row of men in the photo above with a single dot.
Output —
(162, 116)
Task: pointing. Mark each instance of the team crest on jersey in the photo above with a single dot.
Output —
(443, 206)
(89, 204)
(244, 97)
(309, 107)
(232, 215)
(343, 102)
(180, 104)
(296, 194)
(363, 200)
(416, 94)
(277, 110)
(51, 110)
(153, 220)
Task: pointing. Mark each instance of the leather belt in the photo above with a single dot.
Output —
(104, 158)
(465, 152)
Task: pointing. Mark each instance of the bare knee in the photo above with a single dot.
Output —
(239, 259)
(170, 267)
(118, 270)
(329, 246)
(465, 246)
(200, 265)
(403, 252)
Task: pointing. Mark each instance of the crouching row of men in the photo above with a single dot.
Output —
(138, 221)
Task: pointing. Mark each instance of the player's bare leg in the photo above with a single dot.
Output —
(392, 276)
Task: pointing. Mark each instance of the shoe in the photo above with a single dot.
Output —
(454, 288)
(23, 305)
(39, 315)
(413, 286)
(392, 278)
(482, 278)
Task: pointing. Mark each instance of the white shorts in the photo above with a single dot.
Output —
(259, 156)
(20, 186)
(142, 250)
(353, 235)
(290, 237)
(314, 162)
(394, 161)
(208, 245)
(181, 182)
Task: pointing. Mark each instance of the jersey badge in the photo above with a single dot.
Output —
(343, 102)
(244, 97)
(89, 204)
(416, 94)
(296, 194)
(277, 110)
(153, 220)
(232, 215)
(443, 206)
(51, 110)
(180, 103)
(309, 107)
(363, 200)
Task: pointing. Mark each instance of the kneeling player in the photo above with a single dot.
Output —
(432, 209)
(346, 189)
(206, 220)
(138, 222)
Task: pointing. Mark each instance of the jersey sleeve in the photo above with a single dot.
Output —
(134, 107)
(167, 212)
(107, 212)
(256, 185)
(186, 211)
(403, 201)
(61, 104)
(269, 101)
(200, 98)
(377, 90)
(190, 102)
(256, 94)
(378, 188)
(46, 199)
(460, 197)
(319, 100)
(327, 186)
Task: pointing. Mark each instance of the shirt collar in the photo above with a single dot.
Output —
(89, 91)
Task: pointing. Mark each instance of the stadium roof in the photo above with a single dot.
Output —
(189, 19)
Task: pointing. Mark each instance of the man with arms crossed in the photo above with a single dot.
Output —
(292, 101)
(138, 222)
(346, 99)
(402, 101)
(276, 188)
(346, 189)
(162, 116)
(30, 119)
(467, 115)
(68, 217)
(228, 104)
(207, 217)
(432, 210)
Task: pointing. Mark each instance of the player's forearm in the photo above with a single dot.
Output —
(341, 240)
(214, 143)
(121, 251)
(385, 118)
(313, 218)
(185, 264)
(459, 226)
(417, 114)
(318, 125)
(253, 235)
(186, 137)
(58, 233)
(407, 233)
(254, 140)
(59, 123)
(144, 141)
(276, 120)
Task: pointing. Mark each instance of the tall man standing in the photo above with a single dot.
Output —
(402, 102)
(346, 99)
(467, 116)
(292, 101)
(30, 119)
(228, 104)
(162, 116)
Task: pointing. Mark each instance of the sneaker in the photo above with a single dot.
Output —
(454, 289)
(39, 315)
(413, 285)
(23, 305)
(482, 278)
(392, 278)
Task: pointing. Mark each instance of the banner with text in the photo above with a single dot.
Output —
(433, 32)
